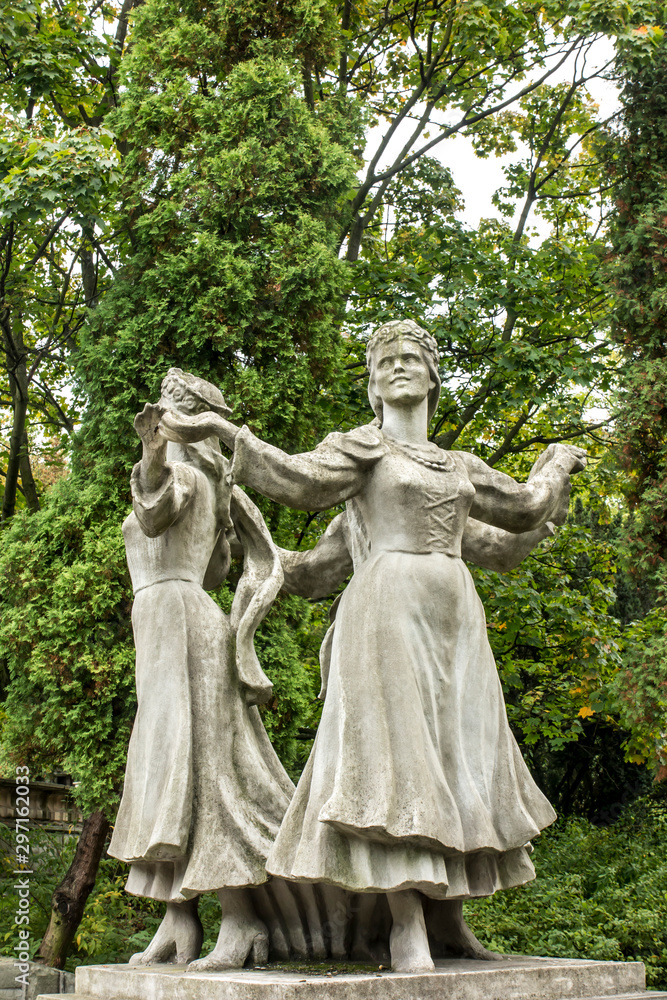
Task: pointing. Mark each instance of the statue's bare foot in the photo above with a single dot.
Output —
(408, 942)
(458, 939)
(242, 935)
(178, 938)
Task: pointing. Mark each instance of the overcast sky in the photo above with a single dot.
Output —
(478, 178)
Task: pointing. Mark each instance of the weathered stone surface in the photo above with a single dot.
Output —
(415, 795)
(41, 979)
(511, 979)
(8, 973)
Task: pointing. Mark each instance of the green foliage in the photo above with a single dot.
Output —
(555, 643)
(234, 273)
(228, 190)
(599, 894)
(115, 925)
(521, 318)
(637, 276)
(53, 59)
(38, 170)
(50, 855)
(66, 639)
(58, 173)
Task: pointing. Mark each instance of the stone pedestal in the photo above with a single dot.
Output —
(40, 980)
(514, 978)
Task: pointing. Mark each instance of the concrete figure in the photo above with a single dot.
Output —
(204, 792)
(415, 792)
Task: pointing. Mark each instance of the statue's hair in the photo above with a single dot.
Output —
(208, 394)
(206, 454)
(408, 330)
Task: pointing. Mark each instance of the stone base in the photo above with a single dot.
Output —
(514, 978)
(41, 979)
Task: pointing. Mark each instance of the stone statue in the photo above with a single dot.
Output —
(415, 795)
(204, 792)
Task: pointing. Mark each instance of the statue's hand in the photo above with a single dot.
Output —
(147, 424)
(568, 456)
(184, 429)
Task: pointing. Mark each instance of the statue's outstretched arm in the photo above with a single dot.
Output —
(501, 551)
(318, 572)
(524, 507)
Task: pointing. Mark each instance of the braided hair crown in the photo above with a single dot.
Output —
(409, 330)
(403, 328)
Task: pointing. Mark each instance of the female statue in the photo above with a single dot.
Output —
(204, 791)
(415, 787)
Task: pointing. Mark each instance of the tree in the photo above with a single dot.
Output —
(58, 169)
(524, 326)
(637, 274)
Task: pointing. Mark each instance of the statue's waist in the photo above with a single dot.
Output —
(182, 578)
(418, 548)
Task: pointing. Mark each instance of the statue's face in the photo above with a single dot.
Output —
(401, 375)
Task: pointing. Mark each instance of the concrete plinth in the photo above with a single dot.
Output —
(510, 979)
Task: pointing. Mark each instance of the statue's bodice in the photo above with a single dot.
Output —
(413, 500)
(183, 549)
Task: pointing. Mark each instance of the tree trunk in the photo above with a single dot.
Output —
(69, 898)
(28, 483)
(18, 461)
(88, 269)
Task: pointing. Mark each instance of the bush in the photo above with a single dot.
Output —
(114, 925)
(600, 893)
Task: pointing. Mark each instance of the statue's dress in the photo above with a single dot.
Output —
(415, 779)
(204, 791)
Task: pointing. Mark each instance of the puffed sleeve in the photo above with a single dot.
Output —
(313, 480)
(157, 510)
(517, 507)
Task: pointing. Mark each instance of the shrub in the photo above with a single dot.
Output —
(599, 894)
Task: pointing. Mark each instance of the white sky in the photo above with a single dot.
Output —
(478, 178)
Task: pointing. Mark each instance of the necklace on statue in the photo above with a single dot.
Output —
(443, 464)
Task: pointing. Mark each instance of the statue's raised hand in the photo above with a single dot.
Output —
(568, 456)
(185, 428)
(147, 426)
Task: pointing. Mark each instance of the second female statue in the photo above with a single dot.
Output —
(415, 790)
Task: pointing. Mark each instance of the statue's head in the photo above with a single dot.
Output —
(402, 360)
(189, 394)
